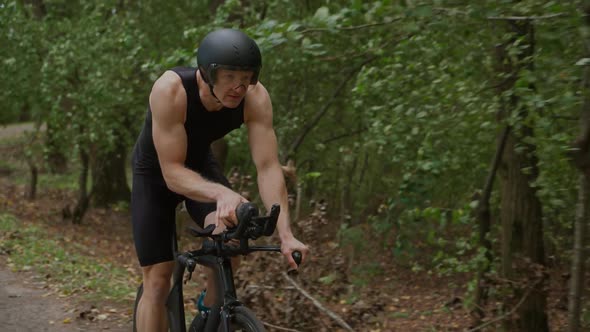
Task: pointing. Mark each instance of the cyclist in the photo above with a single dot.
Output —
(188, 109)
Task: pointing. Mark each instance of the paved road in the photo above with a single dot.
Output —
(24, 308)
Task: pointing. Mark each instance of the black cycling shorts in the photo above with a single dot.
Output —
(153, 212)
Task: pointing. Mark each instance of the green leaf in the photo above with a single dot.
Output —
(313, 175)
(322, 14)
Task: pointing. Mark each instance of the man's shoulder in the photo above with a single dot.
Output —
(258, 104)
(168, 94)
(258, 91)
(169, 83)
(257, 96)
(169, 80)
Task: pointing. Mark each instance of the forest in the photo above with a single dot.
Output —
(436, 153)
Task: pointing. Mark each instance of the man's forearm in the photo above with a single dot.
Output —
(271, 185)
(191, 184)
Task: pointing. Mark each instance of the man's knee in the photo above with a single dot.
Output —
(156, 281)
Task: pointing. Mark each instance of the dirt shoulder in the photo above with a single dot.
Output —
(26, 305)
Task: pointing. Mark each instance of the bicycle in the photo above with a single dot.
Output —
(227, 313)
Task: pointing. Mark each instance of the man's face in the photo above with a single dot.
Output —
(231, 86)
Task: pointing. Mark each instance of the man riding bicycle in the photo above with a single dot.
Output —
(188, 109)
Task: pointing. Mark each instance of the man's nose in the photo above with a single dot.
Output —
(240, 87)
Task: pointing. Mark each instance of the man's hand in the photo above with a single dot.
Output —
(227, 203)
(292, 244)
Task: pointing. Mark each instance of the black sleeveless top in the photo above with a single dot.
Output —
(202, 128)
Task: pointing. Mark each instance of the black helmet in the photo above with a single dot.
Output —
(228, 49)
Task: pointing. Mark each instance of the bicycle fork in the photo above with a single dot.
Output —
(221, 311)
(175, 301)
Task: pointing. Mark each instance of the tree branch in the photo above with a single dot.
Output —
(330, 313)
(503, 18)
(337, 137)
(350, 28)
(316, 119)
(525, 18)
(563, 117)
(484, 219)
(509, 313)
(369, 51)
(487, 191)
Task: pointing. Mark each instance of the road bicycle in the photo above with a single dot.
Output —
(227, 313)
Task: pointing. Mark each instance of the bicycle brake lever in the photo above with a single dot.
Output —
(266, 225)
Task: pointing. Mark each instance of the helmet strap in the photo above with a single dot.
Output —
(207, 80)
(213, 93)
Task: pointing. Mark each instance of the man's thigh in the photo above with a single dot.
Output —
(153, 208)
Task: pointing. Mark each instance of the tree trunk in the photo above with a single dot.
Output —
(56, 159)
(109, 178)
(32, 190)
(581, 160)
(25, 113)
(483, 215)
(38, 7)
(214, 4)
(83, 197)
(576, 292)
(523, 254)
(522, 240)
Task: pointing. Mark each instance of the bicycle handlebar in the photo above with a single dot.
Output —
(250, 225)
(297, 256)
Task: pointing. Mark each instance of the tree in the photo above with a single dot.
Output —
(523, 254)
(580, 156)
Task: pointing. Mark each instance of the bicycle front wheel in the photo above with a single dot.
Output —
(242, 320)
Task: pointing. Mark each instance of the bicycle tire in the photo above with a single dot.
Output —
(242, 320)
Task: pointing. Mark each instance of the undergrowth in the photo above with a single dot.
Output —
(28, 248)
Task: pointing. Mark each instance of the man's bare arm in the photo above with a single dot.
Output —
(168, 105)
(264, 149)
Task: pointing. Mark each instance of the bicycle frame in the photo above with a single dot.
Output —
(226, 299)
(217, 255)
